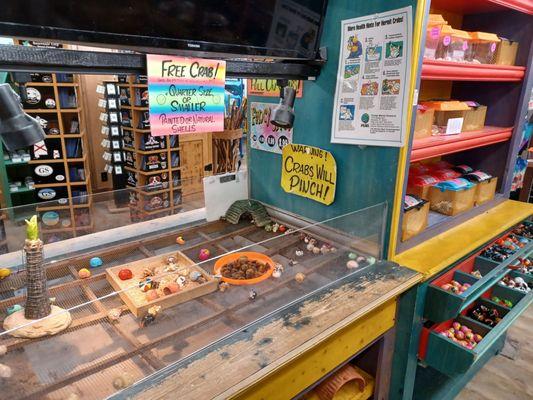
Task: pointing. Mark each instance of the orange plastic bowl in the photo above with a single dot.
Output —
(253, 256)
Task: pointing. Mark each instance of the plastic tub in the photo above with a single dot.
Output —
(446, 110)
(484, 47)
(419, 185)
(453, 44)
(435, 24)
(485, 186)
(452, 197)
(415, 216)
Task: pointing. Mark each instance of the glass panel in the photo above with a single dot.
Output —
(172, 260)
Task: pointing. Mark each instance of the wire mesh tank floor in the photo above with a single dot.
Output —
(94, 357)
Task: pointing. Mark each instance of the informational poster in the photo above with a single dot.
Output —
(309, 172)
(270, 88)
(373, 78)
(186, 95)
(263, 134)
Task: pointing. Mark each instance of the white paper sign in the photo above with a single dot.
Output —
(373, 79)
(454, 126)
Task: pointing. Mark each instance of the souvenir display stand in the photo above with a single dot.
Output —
(286, 296)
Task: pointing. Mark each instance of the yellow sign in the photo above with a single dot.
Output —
(269, 87)
(309, 172)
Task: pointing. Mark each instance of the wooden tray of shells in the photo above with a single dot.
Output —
(164, 280)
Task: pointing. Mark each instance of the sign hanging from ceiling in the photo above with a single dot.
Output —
(371, 97)
(309, 172)
(186, 95)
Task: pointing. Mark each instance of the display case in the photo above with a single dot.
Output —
(496, 95)
(173, 299)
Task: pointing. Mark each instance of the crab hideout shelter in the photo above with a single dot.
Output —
(265, 199)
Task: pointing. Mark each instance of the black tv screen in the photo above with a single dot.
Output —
(274, 28)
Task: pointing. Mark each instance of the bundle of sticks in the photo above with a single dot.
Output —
(235, 115)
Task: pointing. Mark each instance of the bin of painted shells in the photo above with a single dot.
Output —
(485, 186)
(415, 216)
(419, 185)
(452, 197)
(435, 24)
(453, 44)
(484, 47)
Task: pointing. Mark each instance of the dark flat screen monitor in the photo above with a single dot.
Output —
(271, 28)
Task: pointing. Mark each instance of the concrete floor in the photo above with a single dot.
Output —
(509, 375)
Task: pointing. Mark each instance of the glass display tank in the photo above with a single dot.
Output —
(178, 304)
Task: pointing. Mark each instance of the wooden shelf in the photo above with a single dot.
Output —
(70, 110)
(58, 84)
(144, 152)
(482, 6)
(72, 135)
(47, 185)
(141, 130)
(150, 193)
(22, 189)
(447, 70)
(58, 230)
(46, 161)
(9, 163)
(79, 183)
(146, 172)
(41, 110)
(78, 159)
(435, 146)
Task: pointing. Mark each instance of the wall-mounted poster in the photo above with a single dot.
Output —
(186, 95)
(373, 78)
(263, 135)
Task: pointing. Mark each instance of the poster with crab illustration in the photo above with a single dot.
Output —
(371, 95)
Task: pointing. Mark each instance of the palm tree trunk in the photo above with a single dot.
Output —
(37, 299)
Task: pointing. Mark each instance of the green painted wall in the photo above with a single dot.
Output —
(365, 176)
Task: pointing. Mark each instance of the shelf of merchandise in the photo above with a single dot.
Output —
(435, 146)
(500, 87)
(448, 70)
(138, 210)
(69, 208)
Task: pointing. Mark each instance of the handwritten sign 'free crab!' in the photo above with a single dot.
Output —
(186, 95)
(309, 172)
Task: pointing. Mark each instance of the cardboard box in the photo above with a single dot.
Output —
(473, 115)
(423, 122)
(474, 119)
(414, 221)
(506, 52)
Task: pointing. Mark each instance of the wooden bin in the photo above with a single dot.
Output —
(414, 221)
(485, 191)
(135, 297)
(451, 202)
(423, 122)
(474, 119)
(506, 52)
(226, 150)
